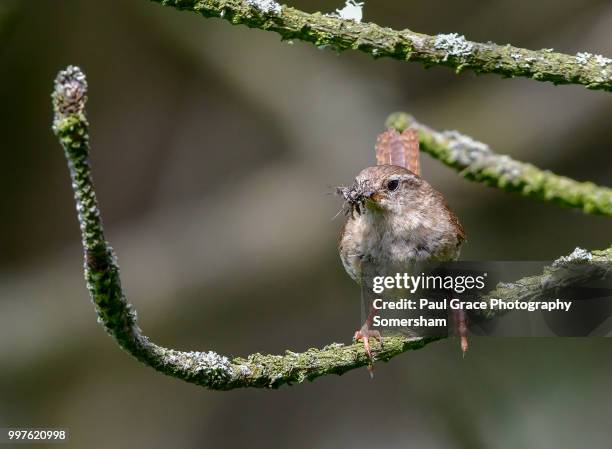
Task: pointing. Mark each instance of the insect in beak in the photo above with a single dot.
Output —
(355, 196)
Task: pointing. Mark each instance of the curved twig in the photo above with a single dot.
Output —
(475, 161)
(210, 369)
(451, 50)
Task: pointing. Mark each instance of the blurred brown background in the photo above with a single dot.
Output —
(214, 149)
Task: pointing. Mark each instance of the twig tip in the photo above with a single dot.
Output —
(69, 92)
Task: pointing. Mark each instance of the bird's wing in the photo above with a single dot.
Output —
(393, 148)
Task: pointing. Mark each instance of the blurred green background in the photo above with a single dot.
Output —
(214, 149)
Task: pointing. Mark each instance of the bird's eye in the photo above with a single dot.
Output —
(392, 185)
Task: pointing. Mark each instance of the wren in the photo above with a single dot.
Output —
(395, 218)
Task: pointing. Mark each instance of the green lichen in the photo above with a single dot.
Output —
(206, 368)
(449, 50)
(476, 162)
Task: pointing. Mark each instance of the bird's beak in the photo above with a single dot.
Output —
(362, 192)
(357, 196)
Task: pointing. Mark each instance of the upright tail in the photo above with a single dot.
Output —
(393, 148)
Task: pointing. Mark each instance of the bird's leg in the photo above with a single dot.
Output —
(461, 328)
(365, 333)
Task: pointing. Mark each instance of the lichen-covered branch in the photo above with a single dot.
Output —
(574, 270)
(451, 50)
(476, 161)
(207, 368)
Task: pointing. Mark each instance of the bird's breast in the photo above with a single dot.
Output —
(386, 246)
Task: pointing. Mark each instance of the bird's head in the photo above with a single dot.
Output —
(383, 188)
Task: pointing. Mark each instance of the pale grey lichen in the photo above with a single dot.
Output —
(508, 167)
(453, 44)
(352, 10)
(212, 360)
(266, 6)
(244, 371)
(602, 61)
(583, 57)
(515, 56)
(464, 149)
(577, 256)
(214, 367)
(475, 156)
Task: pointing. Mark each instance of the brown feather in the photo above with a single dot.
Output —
(393, 148)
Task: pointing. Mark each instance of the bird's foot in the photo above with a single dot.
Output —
(365, 334)
(461, 329)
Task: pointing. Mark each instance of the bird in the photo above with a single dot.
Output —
(396, 218)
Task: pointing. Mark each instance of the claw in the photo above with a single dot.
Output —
(464, 345)
(461, 329)
(365, 334)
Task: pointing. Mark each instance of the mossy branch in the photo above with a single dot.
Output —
(450, 50)
(475, 161)
(210, 369)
